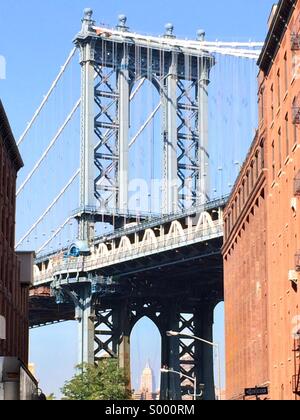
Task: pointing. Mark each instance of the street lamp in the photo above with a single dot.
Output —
(193, 379)
(215, 345)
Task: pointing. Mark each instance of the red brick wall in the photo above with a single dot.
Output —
(13, 296)
(283, 223)
(262, 238)
(246, 282)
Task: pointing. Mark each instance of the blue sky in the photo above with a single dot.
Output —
(35, 38)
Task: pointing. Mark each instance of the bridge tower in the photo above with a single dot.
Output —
(112, 61)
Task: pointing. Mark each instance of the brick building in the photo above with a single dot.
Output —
(262, 228)
(15, 269)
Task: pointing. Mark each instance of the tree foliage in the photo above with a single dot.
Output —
(105, 381)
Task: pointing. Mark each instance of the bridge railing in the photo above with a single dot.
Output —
(133, 251)
(162, 244)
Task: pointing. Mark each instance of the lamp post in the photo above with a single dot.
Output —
(210, 343)
(194, 380)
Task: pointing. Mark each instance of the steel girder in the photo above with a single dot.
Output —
(181, 81)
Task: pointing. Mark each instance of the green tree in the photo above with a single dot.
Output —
(51, 397)
(105, 381)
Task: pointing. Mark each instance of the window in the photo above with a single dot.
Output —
(278, 89)
(252, 175)
(296, 111)
(286, 72)
(273, 160)
(262, 153)
(243, 193)
(296, 118)
(272, 102)
(261, 104)
(256, 164)
(279, 148)
(247, 185)
(2, 328)
(287, 139)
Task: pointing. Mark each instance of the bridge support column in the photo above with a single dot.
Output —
(204, 353)
(112, 335)
(87, 135)
(86, 331)
(123, 84)
(170, 382)
(203, 184)
(169, 101)
(122, 322)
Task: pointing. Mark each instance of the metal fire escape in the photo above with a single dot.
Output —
(296, 377)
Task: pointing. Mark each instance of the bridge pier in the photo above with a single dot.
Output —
(204, 353)
(170, 382)
(123, 344)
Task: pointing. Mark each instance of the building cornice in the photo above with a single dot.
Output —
(276, 33)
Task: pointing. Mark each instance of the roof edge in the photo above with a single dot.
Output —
(9, 140)
(275, 34)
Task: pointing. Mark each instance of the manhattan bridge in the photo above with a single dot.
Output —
(129, 160)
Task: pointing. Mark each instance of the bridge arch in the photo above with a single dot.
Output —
(144, 75)
(101, 250)
(205, 222)
(124, 245)
(176, 230)
(145, 348)
(149, 238)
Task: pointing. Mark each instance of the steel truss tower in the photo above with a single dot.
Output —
(112, 61)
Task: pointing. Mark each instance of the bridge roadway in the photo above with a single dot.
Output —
(177, 255)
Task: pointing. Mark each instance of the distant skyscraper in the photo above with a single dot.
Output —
(147, 388)
(147, 380)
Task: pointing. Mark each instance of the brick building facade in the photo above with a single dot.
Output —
(262, 228)
(14, 269)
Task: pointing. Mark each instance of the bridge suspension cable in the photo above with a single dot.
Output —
(235, 52)
(146, 123)
(64, 125)
(53, 86)
(226, 44)
(58, 230)
(51, 144)
(48, 209)
(226, 48)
